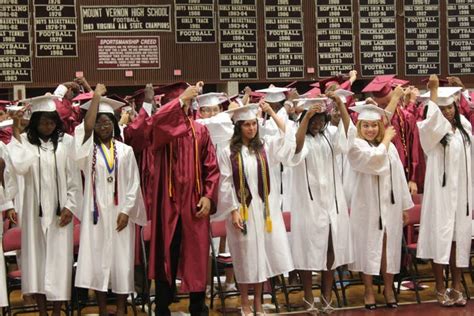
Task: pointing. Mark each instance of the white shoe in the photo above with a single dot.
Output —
(230, 287)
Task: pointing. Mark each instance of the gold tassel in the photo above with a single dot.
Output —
(268, 224)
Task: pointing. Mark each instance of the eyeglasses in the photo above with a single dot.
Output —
(103, 125)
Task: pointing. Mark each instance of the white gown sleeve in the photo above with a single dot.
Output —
(8, 192)
(367, 159)
(227, 200)
(220, 127)
(133, 206)
(22, 158)
(82, 151)
(433, 128)
(281, 147)
(74, 184)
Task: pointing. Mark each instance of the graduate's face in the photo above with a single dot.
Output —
(249, 129)
(104, 127)
(448, 112)
(335, 117)
(369, 130)
(209, 111)
(46, 126)
(317, 124)
(3, 115)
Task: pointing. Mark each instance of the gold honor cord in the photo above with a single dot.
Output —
(196, 157)
(244, 213)
(268, 219)
(108, 158)
(170, 173)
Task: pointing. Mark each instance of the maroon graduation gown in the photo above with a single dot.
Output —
(174, 194)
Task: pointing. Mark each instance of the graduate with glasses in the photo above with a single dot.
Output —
(113, 204)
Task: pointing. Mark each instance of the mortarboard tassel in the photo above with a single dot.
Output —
(40, 211)
(444, 179)
(58, 210)
(467, 209)
(380, 222)
(392, 196)
(268, 224)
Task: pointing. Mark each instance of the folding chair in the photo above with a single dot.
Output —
(219, 264)
(409, 249)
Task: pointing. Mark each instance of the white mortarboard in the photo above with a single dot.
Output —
(306, 103)
(210, 99)
(446, 95)
(244, 113)
(369, 112)
(343, 94)
(6, 123)
(44, 103)
(60, 91)
(274, 94)
(106, 105)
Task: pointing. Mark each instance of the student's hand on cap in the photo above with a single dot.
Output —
(247, 90)
(455, 82)
(100, 89)
(237, 220)
(433, 83)
(189, 94)
(293, 94)
(122, 221)
(124, 118)
(398, 92)
(149, 93)
(66, 217)
(200, 86)
(265, 107)
(369, 100)
(389, 133)
(353, 74)
(333, 96)
(11, 215)
(204, 206)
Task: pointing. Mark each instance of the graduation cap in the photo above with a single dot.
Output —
(170, 92)
(6, 123)
(211, 99)
(369, 112)
(44, 103)
(106, 105)
(313, 92)
(446, 95)
(327, 82)
(343, 94)
(306, 103)
(244, 113)
(86, 96)
(60, 91)
(274, 94)
(382, 85)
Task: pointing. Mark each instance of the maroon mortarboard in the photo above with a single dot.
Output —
(312, 92)
(86, 96)
(442, 82)
(327, 82)
(171, 92)
(382, 85)
(256, 96)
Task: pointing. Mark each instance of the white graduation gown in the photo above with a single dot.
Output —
(7, 192)
(444, 217)
(316, 185)
(220, 128)
(342, 161)
(47, 248)
(259, 254)
(371, 171)
(106, 257)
